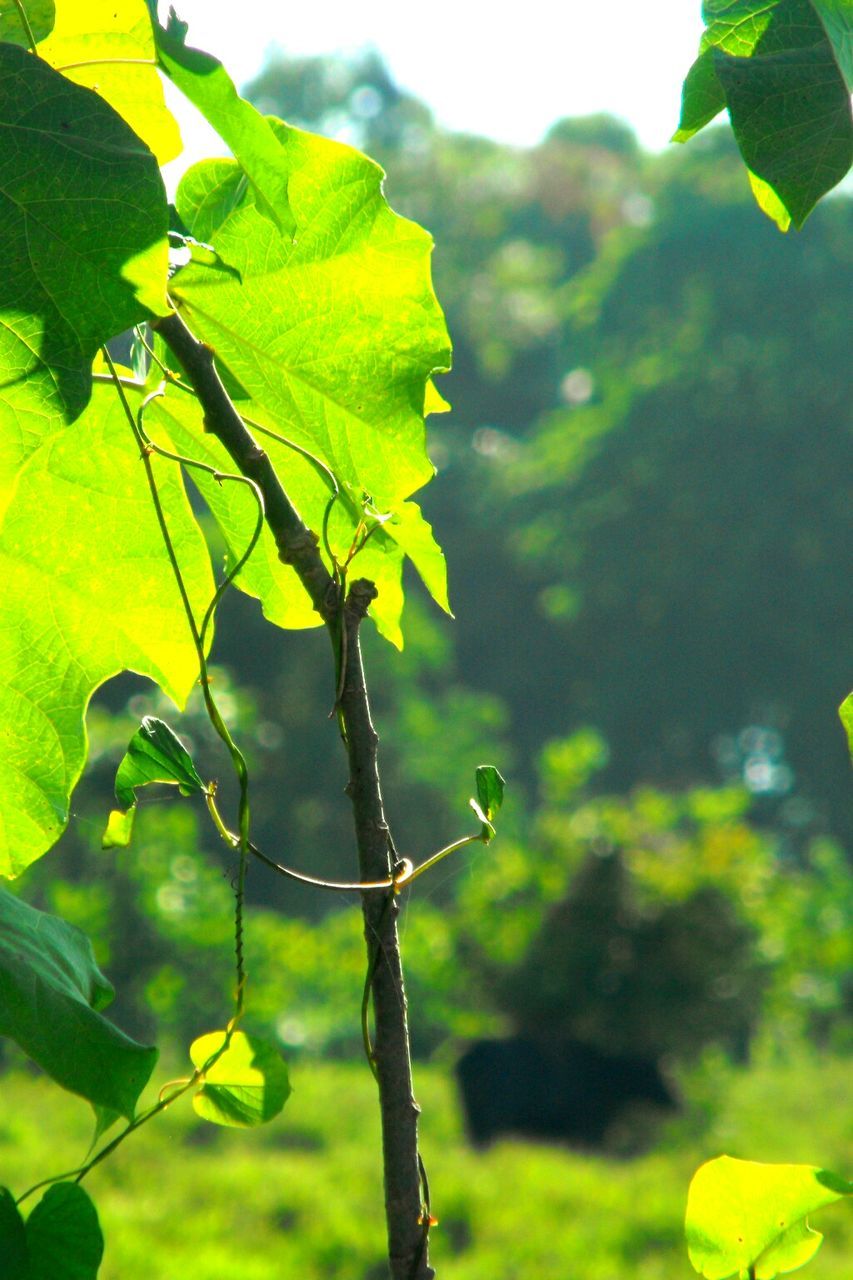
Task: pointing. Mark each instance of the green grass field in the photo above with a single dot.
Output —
(302, 1199)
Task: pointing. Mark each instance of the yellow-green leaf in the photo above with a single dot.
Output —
(108, 46)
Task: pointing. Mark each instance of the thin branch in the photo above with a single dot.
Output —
(407, 1215)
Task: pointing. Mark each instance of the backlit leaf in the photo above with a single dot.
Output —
(51, 992)
(333, 337)
(845, 711)
(742, 1214)
(204, 80)
(108, 46)
(78, 609)
(247, 1086)
(83, 220)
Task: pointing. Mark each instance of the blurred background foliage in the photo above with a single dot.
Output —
(641, 493)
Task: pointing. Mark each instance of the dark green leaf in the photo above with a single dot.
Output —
(83, 221)
(837, 19)
(791, 117)
(64, 1235)
(208, 86)
(745, 1217)
(41, 15)
(247, 1086)
(155, 754)
(13, 1239)
(50, 991)
(490, 790)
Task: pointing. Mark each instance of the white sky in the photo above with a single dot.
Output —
(507, 72)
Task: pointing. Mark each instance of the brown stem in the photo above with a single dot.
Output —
(298, 546)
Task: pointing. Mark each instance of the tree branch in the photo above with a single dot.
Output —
(298, 546)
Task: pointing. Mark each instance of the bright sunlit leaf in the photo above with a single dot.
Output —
(743, 1216)
(247, 1086)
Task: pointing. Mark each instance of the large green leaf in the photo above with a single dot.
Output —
(176, 419)
(744, 1217)
(108, 46)
(779, 66)
(334, 336)
(206, 83)
(51, 992)
(331, 341)
(247, 1086)
(87, 592)
(83, 220)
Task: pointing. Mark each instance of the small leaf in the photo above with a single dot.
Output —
(206, 83)
(247, 1086)
(488, 831)
(13, 1239)
(490, 790)
(64, 1235)
(119, 830)
(845, 711)
(743, 1215)
(50, 993)
(203, 255)
(155, 754)
(41, 15)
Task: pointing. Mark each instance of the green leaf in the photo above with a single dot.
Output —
(490, 790)
(76, 610)
(332, 341)
(780, 67)
(791, 117)
(51, 992)
(247, 1086)
(41, 15)
(83, 220)
(845, 711)
(837, 19)
(768, 201)
(176, 420)
(743, 1215)
(119, 829)
(13, 1239)
(333, 337)
(736, 27)
(64, 1235)
(108, 46)
(155, 754)
(208, 86)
